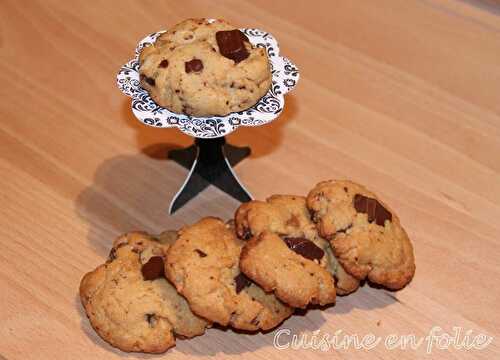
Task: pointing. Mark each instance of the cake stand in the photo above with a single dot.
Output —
(210, 159)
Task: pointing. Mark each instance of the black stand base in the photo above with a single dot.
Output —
(210, 162)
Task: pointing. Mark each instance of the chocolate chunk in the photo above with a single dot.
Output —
(304, 247)
(112, 255)
(246, 234)
(375, 211)
(232, 44)
(315, 216)
(163, 64)
(150, 81)
(241, 282)
(151, 319)
(153, 269)
(200, 253)
(194, 65)
(147, 79)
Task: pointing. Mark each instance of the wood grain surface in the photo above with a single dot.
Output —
(403, 96)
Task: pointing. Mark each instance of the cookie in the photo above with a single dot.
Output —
(288, 217)
(203, 264)
(295, 280)
(365, 234)
(204, 68)
(129, 302)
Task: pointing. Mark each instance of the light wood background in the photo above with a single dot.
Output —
(403, 96)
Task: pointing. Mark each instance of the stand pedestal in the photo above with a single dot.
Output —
(210, 162)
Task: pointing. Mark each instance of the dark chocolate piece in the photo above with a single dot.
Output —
(246, 234)
(112, 255)
(194, 65)
(151, 319)
(200, 253)
(163, 64)
(304, 247)
(148, 80)
(314, 216)
(232, 44)
(153, 269)
(241, 282)
(375, 211)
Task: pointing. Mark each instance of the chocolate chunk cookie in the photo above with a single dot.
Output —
(288, 217)
(129, 302)
(204, 68)
(203, 264)
(285, 253)
(295, 279)
(365, 234)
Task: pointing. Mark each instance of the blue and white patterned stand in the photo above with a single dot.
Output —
(285, 76)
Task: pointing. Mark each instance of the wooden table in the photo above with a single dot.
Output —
(403, 96)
